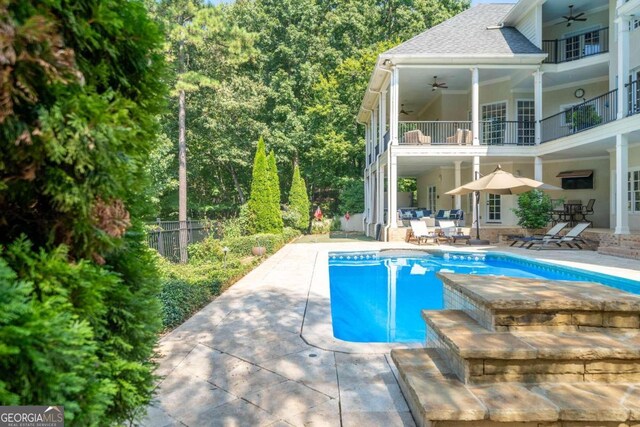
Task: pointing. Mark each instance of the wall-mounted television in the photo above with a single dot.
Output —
(576, 180)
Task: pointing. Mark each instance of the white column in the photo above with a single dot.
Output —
(623, 63)
(475, 105)
(537, 90)
(381, 199)
(394, 104)
(622, 183)
(476, 175)
(374, 132)
(537, 168)
(392, 190)
(457, 183)
(382, 110)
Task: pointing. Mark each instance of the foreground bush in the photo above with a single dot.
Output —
(81, 87)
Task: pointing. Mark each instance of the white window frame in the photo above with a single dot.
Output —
(432, 194)
(582, 47)
(497, 218)
(482, 119)
(517, 116)
(632, 200)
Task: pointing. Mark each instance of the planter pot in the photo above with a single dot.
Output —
(258, 250)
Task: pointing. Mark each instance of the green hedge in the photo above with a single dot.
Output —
(188, 287)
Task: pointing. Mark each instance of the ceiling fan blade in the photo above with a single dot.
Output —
(578, 15)
(580, 19)
(568, 18)
(443, 86)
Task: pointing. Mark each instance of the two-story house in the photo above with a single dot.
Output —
(547, 89)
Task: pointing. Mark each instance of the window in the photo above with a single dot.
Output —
(431, 198)
(579, 45)
(634, 24)
(526, 114)
(493, 118)
(633, 195)
(493, 208)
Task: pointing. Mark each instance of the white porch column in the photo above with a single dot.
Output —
(476, 175)
(392, 190)
(457, 182)
(537, 90)
(394, 103)
(622, 178)
(382, 111)
(374, 133)
(380, 213)
(623, 63)
(537, 168)
(475, 106)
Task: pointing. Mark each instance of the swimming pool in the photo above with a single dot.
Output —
(378, 296)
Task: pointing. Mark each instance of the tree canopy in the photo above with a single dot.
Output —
(293, 71)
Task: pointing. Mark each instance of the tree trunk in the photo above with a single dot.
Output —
(237, 184)
(182, 170)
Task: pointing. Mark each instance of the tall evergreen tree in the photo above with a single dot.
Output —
(260, 199)
(299, 199)
(81, 88)
(274, 185)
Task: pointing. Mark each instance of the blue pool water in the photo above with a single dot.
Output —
(375, 298)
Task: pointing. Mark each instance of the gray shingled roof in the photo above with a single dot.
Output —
(467, 34)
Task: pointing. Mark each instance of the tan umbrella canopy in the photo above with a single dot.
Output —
(498, 182)
(501, 182)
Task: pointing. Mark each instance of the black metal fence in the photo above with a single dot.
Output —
(164, 236)
(589, 114)
(577, 46)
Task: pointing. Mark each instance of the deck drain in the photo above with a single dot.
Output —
(313, 355)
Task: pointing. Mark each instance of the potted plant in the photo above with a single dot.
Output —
(584, 117)
(534, 210)
(257, 249)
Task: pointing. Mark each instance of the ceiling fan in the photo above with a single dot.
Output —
(436, 85)
(572, 18)
(403, 111)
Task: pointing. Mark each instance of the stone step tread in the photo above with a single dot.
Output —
(548, 295)
(465, 337)
(624, 252)
(434, 396)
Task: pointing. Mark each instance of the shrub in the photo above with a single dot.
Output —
(351, 196)
(336, 224)
(298, 202)
(534, 209)
(263, 214)
(82, 87)
(207, 250)
(274, 186)
(321, 227)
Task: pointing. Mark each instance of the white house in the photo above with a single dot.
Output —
(546, 90)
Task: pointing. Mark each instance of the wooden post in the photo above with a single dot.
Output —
(160, 239)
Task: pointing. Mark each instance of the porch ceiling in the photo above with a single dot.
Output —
(415, 83)
(415, 166)
(554, 10)
(576, 75)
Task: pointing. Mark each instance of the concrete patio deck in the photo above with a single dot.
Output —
(260, 355)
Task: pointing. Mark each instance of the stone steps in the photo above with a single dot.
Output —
(435, 396)
(519, 304)
(480, 356)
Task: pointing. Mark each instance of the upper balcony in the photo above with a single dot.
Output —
(575, 47)
(492, 132)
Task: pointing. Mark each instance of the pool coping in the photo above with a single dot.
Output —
(317, 325)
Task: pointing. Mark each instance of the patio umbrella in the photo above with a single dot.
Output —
(499, 182)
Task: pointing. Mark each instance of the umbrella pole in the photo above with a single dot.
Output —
(477, 240)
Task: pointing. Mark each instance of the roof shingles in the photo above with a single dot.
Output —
(467, 34)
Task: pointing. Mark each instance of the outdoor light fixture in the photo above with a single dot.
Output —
(224, 259)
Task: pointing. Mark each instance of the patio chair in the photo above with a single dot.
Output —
(422, 232)
(461, 233)
(447, 230)
(571, 238)
(551, 234)
(457, 138)
(416, 137)
(588, 210)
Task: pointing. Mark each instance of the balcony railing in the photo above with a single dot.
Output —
(434, 133)
(589, 114)
(633, 97)
(492, 132)
(576, 47)
(506, 132)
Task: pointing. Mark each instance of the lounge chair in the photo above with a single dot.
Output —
(571, 238)
(551, 234)
(422, 232)
(415, 137)
(447, 230)
(462, 233)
